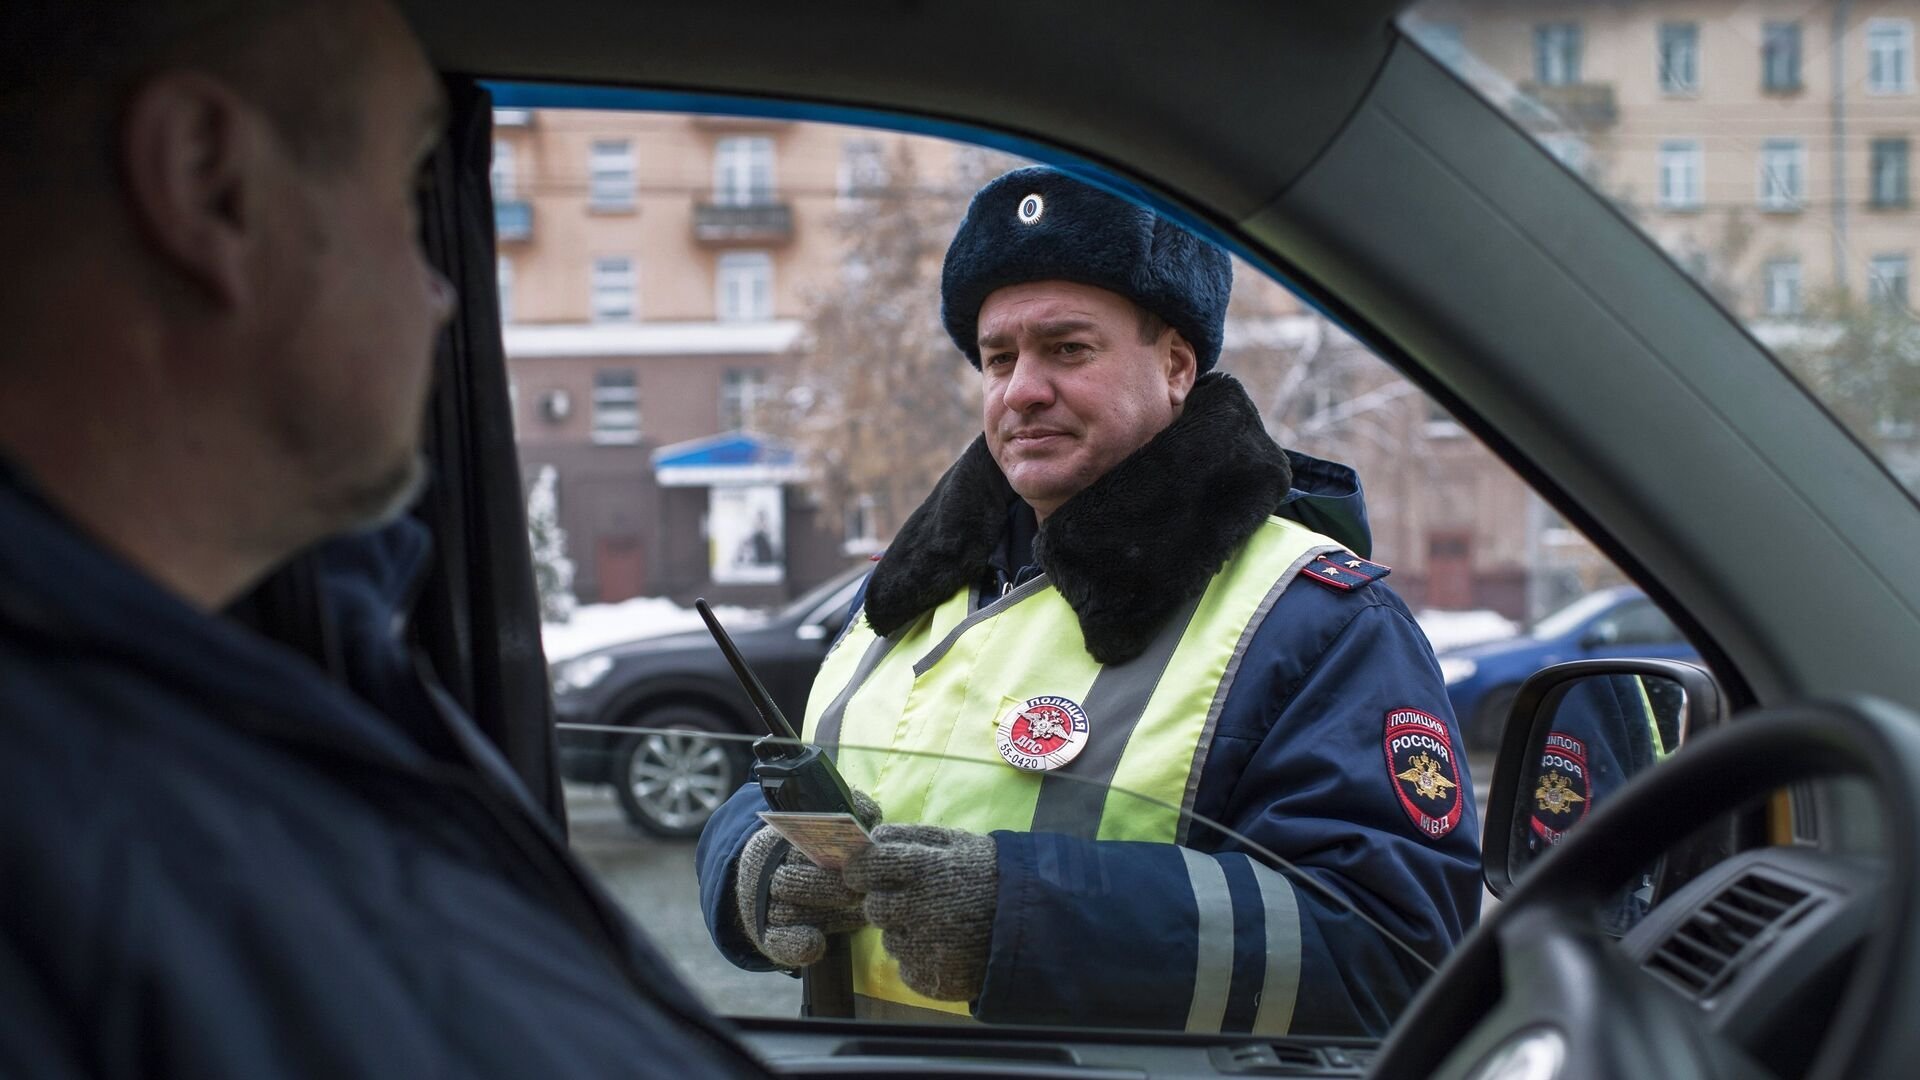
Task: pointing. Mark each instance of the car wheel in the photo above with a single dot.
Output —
(1491, 720)
(671, 777)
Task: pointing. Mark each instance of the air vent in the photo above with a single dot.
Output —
(1706, 951)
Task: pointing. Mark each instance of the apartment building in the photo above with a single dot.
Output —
(1768, 144)
(653, 271)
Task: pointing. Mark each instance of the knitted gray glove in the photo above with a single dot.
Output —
(807, 903)
(931, 891)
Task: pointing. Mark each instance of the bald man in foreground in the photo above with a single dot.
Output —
(218, 861)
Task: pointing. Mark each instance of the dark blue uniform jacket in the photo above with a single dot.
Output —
(218, 862)
(1299, 765)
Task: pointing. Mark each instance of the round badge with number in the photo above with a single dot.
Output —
(1042, 733)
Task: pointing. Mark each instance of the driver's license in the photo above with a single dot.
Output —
(827, 839)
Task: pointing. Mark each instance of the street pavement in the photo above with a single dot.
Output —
(654, 880)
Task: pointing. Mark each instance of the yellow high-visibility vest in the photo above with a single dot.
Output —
(942, 685)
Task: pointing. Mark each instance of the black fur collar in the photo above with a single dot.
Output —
(1126, 552)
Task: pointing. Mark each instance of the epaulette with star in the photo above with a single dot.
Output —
(1344, 570)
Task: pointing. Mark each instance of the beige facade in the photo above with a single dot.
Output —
(653, 269)
(1756, 140)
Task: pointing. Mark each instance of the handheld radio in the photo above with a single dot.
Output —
(795, 777)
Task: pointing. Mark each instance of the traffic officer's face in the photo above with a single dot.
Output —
(1072, 385)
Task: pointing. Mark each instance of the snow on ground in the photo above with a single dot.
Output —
(594, 625)
(1452, 629)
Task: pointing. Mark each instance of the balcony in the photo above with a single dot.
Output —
(1584, 106)
(512, 220)
(756, 223)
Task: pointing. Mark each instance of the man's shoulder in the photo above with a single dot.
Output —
(1317, 564)
(1326, 598)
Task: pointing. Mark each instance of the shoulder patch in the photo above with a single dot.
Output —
(1344, 570)
(1424, 771)
(1565, 787)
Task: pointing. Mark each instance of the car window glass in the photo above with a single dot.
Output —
(1570, 618)
(1643, 624)
(758, 401)
(1770, 153)
(831, 614)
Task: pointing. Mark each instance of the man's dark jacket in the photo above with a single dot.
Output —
(215, 861)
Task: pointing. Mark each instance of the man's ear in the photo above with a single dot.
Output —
(1183, 368)
(191, 157)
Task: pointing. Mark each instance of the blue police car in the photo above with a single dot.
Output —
(1483, 679)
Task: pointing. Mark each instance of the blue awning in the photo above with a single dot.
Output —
(728, 459)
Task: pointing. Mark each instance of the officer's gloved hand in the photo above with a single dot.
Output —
(807, 902)
(932, 892)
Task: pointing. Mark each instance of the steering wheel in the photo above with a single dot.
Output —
(1539, 981)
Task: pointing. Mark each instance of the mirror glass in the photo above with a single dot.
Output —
(1601, 731)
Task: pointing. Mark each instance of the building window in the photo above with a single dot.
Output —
(503, 276)
(745, 286)
(613, 289)
(616, 407)
(1783, 175)
(1556, 54)
(610, 175)
(1887, 281)
(742, 390)
(743, 171)
(1889, 56)
(1782, 283)
(860, 526)
(1889, 173)
(1680, 170)
(1679, 58)
(863, 168)
(1780, 57)
(501, 175)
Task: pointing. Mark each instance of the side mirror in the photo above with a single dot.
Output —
(1578, 731)
(1604, 632)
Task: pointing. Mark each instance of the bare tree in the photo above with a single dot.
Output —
(1862, 360)
(878, 399)
(552, 569)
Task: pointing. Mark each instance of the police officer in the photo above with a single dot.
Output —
(1122, 581)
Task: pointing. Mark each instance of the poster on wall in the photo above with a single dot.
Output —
(746, 535)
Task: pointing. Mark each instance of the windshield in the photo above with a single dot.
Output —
(1767, 149)
(1568, 618)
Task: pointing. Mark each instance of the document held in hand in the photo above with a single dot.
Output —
(827, 839)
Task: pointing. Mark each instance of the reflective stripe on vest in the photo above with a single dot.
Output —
(941, 685)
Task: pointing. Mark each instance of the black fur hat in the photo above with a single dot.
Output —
(1039, 224)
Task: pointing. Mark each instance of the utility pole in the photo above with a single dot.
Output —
(1837, 64)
